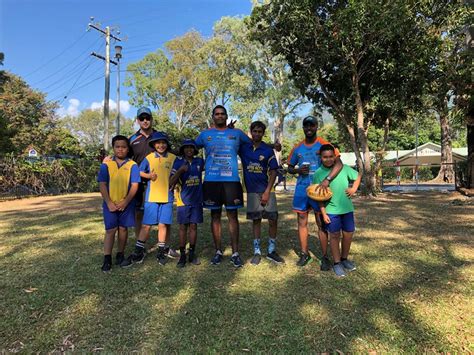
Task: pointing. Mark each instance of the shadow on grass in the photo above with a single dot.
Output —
(55, 297)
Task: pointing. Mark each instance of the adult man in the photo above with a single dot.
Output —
(221, 180)
(304, 160)
(260, 170)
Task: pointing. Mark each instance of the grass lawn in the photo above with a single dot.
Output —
(412, 292)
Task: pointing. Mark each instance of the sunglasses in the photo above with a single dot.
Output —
(143, 118)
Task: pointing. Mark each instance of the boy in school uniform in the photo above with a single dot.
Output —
(187, 171)
(338, 212)
(158, 208)
(118, 183)
(260, 170)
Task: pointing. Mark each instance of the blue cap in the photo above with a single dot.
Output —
(188, 143)
(143, 110)
(157, 136)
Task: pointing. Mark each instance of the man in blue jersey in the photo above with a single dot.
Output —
(304, 160)
(260, 166)
(221, 180)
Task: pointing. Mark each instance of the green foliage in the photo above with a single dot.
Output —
(88, 127)
(39, 177)
(26, 118)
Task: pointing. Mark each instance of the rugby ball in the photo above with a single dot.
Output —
(318, 194)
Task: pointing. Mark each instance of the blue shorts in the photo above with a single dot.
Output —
(158, 213)
(302, 203)
(189, 214)
(344, 222)
(125, 218)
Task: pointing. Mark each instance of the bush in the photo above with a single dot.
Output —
(19, 176)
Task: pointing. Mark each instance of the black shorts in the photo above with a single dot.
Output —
(217, 193)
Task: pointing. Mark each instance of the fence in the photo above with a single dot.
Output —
(422, 174)
(20, 177)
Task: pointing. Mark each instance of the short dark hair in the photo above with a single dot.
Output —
(256, 124)
(120, 138)
(219, 106)
(325, 147)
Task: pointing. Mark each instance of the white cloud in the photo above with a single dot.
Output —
(71, 110)
(124, 106)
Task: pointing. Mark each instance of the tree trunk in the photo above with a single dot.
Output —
(470, 150)
(446, 171)
(369, 177)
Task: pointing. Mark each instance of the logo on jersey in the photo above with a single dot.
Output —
(209, 138)
(261, 157)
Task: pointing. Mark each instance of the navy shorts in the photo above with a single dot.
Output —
(189, 214)
(158, 213)
(125, 218)
(344, 222)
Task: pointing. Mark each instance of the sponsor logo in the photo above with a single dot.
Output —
(237, 201)
(261, 157)
(209, 202)
(209, 138)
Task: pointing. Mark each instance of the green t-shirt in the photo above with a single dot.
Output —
(339, 202)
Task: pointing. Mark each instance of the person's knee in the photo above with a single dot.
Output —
(232, 215)
(216, 214)
(146, 227)
(123, 229)
(302, 219)
(193, 227)
(111, 231)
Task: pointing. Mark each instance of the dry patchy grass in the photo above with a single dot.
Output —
(412, 290)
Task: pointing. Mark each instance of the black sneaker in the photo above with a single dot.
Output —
(119, 258)
(305, 259)
(273, 256)
(216, 259)
(134, 258)
(161, 257)
(106, 266)
(193, 259)
(182, 261)
(325, 264)
(256, 259)
(236, 261)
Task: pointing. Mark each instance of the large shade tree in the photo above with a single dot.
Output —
(356, 57)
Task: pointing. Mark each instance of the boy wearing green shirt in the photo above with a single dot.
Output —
(338, 212)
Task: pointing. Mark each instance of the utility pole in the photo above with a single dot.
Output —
(118, 56)
(107, 60)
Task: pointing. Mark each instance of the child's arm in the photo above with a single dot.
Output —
(352, 190)
(131, 194)
(326, 218)
(105, 195)
(336, 169)
(175, 177)
(271, 181)
(151, 176)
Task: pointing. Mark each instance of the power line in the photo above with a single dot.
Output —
(75, 82)
(67, 65)
(57, 55)
(80, 87)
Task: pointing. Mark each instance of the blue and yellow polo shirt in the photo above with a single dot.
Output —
(118, 177)
(159, 190)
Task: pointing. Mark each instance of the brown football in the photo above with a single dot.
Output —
(318, 195)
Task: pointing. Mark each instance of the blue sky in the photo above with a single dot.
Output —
(46, 42)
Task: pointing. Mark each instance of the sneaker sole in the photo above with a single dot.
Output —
(255, 261)
(275, 261)
(236, 266)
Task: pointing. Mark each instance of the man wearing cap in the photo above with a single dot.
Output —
(304, 160)
(221, 180)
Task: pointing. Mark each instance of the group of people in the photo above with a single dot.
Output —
(139, 181)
